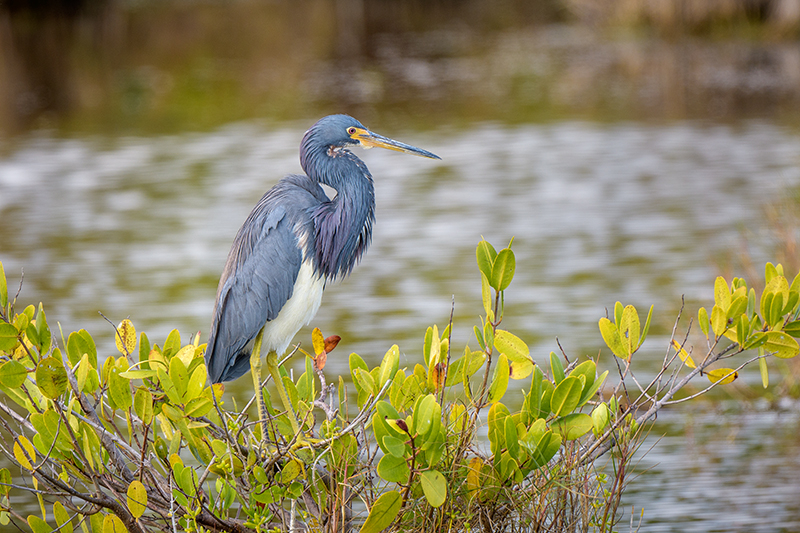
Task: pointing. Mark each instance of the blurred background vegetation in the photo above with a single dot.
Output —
(145, 66)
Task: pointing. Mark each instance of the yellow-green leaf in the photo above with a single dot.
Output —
(62, 518)
(112, 524)
(38, 525)
(9, 336)
(511, 345)
(612, 338)
(520, 369)
(125, 337)
(12, 374)
(629, 330)
(722, 294)
(723, 376)
(572, 426)
(503, 270)
(137, 498)
(502, 372)
(781, 345)
(291, 470)
(393, 469)
(143, 405)
(434, 486)
(383, 512)
(703, 320)
(485, 255)
(24, 452)
(566, 396)
(683, 354)
(719, 322)
(318, 341)
(51, 377)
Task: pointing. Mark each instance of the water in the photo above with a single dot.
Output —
(139, 227)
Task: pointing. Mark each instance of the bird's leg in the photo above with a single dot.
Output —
(272, 366)
(255, 366)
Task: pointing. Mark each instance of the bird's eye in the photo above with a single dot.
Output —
(351, 130)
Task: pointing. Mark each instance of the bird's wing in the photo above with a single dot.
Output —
(257, 281)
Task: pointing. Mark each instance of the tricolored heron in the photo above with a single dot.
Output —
(295, 240)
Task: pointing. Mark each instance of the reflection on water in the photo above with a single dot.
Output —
(720, 472)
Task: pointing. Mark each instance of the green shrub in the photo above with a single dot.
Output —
(139, 441)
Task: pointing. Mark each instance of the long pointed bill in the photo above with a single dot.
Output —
(369, 139)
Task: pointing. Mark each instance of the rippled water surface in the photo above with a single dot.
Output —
(140, 227)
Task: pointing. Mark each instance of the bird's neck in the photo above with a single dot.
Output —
(343, 226)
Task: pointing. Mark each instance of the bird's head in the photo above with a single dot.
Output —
(332, 135)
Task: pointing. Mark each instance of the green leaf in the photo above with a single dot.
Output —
(43, 331)
(600, 418)
(738, 306)
(198, 407)
(425, 411)
(5, 481)
(781, 345)
(179, 376)
(572, 426)
(618, 310)
(365, 381)
(79, 343)
(556, 368)
(393, 469)
(13, 374)
(503, 270)
(394, 446)
(762, 366)
(168, 386)
(485, 255)
(137, 498)
(512, 440)
(119, 388)
(51, 377)
(566, 396)
(793, 328)
(502, 372)
(172, 345)
(197, 382)
(515, 348)
(434, 486)
(9, 336)
(383, 512)
(143, 405)
(590, 390)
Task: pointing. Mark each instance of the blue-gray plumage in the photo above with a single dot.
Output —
(294, 241)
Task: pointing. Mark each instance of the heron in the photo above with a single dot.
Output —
(294, 242)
